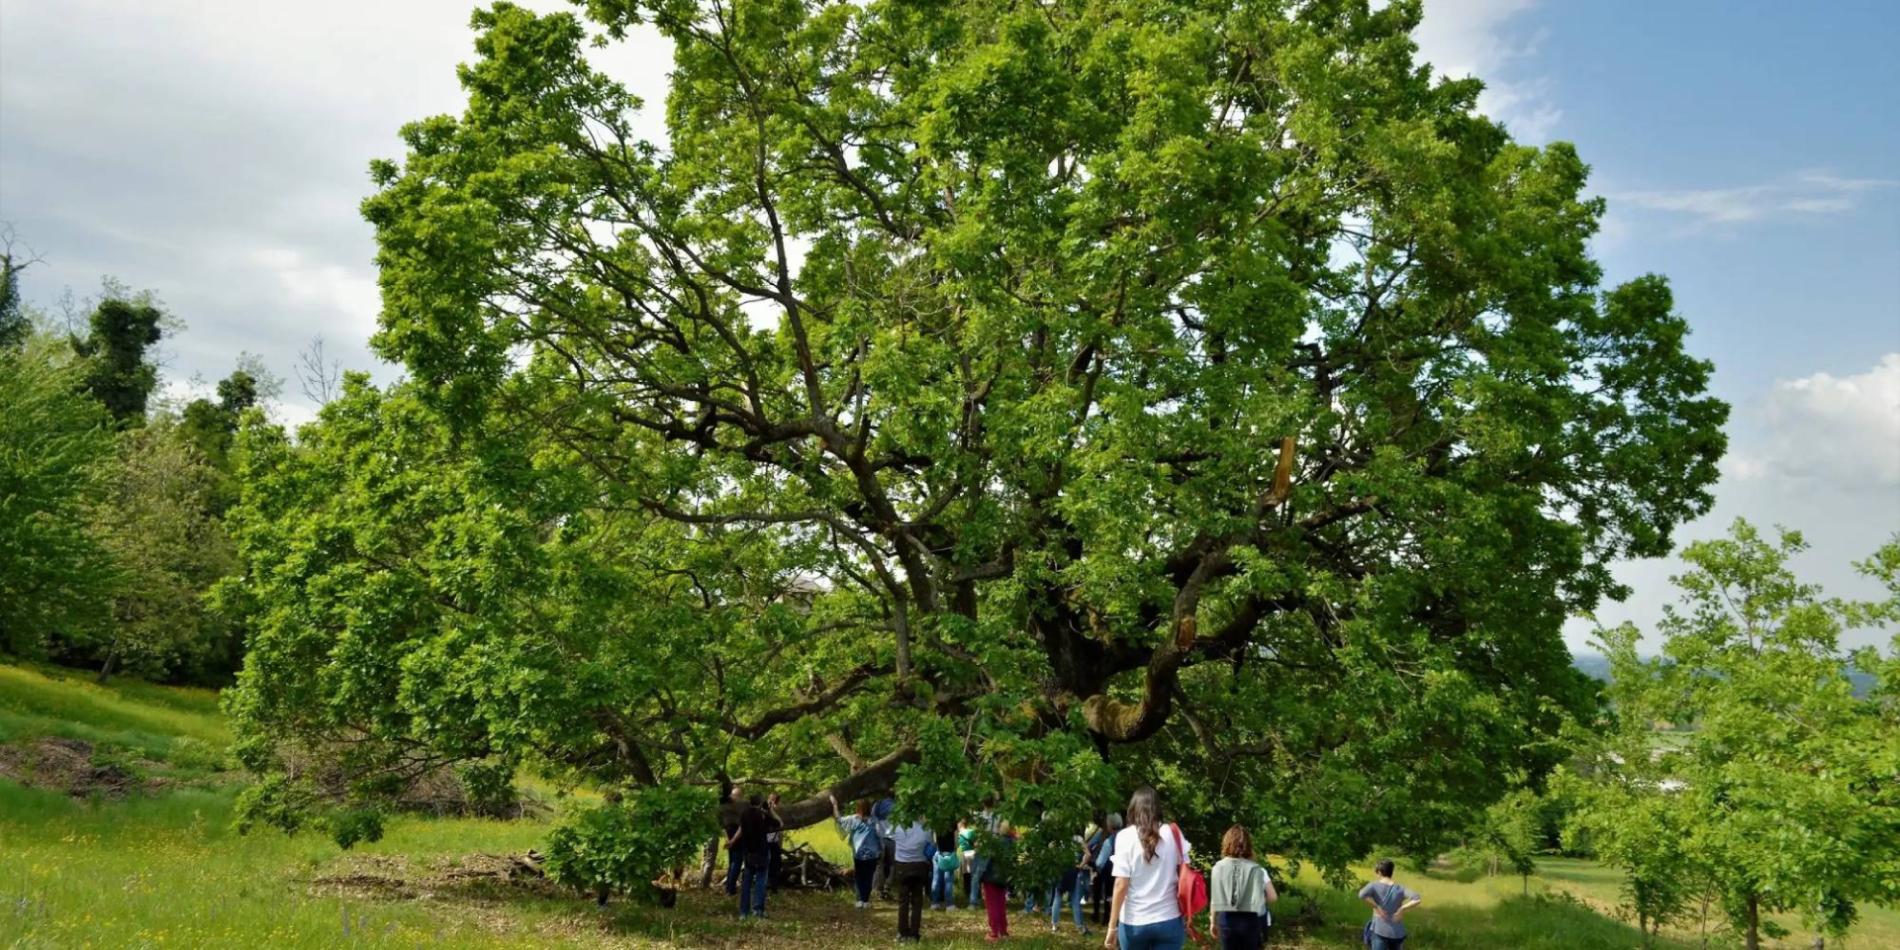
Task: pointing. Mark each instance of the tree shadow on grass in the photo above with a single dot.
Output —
(483, 889)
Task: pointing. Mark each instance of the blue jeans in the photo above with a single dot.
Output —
(1387, 943)
(943, 887)
(1165, 935)
(1242, 931)
(735, 859)
(976, 882)
(1077, 893)
(752, 884)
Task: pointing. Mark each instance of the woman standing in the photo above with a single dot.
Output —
(1145, 913)
(1074, 885)
(1389, 901)
(943, 874)
(861, 833)
(1101, 882)
(1241, 890)
(996, 854)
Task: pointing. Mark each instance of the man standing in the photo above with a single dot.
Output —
(911, 869)
(754, 854)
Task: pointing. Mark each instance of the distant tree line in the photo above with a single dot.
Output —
(112, 502)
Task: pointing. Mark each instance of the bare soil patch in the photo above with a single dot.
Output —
(70, 766)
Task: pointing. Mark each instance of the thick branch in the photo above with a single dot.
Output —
(878, 778)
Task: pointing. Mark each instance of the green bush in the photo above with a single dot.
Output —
(624, 845)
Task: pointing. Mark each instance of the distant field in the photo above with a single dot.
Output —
(166, 869)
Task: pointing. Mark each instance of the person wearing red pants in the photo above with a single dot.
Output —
(996, 905)
(994, 873)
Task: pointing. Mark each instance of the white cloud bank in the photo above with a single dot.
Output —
(1818, 454)
(1842, 431)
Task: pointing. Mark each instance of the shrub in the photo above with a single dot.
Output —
(625, 845)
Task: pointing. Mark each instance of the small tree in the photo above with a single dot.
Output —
(1781, 797)
(55, 456)
(1635, 828)
(1507, 835)
(15, 322)
(162, 530)
(121, 331)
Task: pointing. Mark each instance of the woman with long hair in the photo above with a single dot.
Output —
(1145, 913)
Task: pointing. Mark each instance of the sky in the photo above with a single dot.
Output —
(215, 151)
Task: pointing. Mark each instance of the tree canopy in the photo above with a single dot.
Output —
(120, 331)
(971, 391)
(56, 450)
(1781, 798)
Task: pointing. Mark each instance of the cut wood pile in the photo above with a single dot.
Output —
(804, 867)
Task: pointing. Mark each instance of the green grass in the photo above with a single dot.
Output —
(169, 870)
(124, 714)
(1571, 904)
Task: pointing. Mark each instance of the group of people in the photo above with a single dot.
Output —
(1128, 870)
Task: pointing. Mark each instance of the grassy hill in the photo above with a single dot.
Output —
(150, 860)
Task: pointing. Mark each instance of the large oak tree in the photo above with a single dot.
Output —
(990, 389)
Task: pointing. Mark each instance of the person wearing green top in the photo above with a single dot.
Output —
(1239, 894)
(943, 876)
(966, 849)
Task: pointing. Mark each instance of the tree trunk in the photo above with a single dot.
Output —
(712, 858)
(1754, 923)
(105, 669)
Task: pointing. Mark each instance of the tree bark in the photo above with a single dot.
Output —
(105, 669)
(1754, 923)
(712, 859)
(877, 778)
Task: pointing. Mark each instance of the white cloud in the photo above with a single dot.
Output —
(1819, 454)
(1807, 193)
(1843, 431)
(1476, 38)
(216, 152)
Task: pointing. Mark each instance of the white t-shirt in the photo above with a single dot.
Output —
(1153, 886)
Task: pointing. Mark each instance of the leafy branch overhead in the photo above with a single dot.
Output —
(1205, 383)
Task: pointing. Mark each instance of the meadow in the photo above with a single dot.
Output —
(162, 866)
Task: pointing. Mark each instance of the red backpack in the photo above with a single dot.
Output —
(1191, 890)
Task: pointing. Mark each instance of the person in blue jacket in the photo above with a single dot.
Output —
(861, 833)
